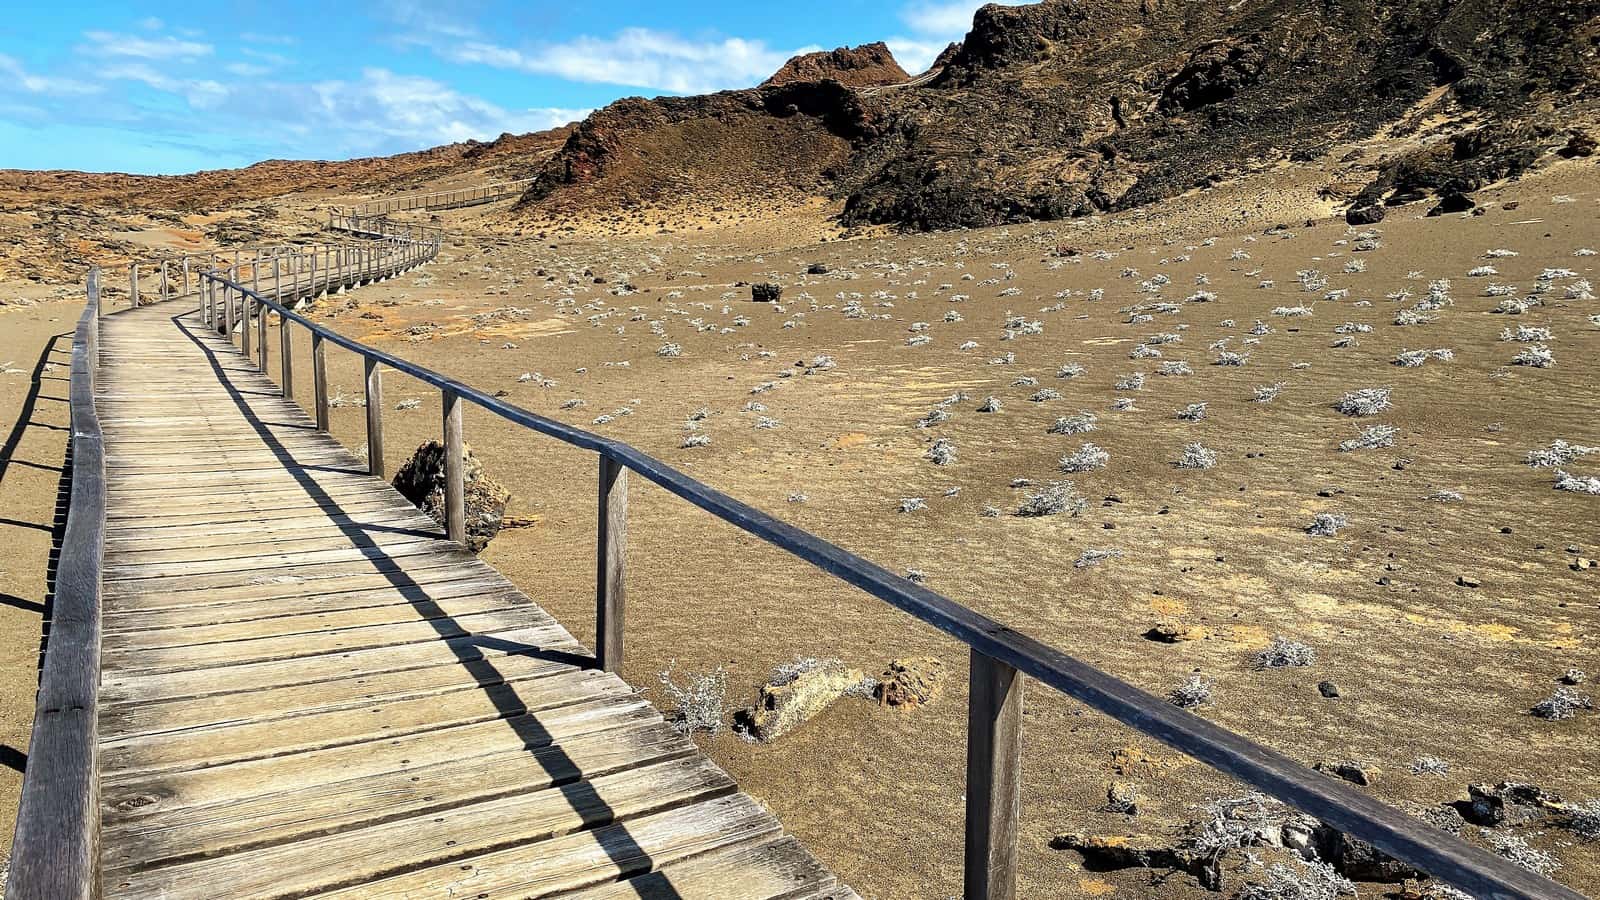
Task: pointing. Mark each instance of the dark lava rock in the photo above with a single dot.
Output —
(421, 480)
(1328, 689)
(1453, 202)
(868, 65)
(1506, 803)
(1579, 143)
(1358, 860)
(816, 269)
(766, 292)
(1368, 214)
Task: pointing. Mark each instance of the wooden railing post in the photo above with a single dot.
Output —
(374, 418)
(285, 354)
(133, 284)
(261, 337)
(230, 316)
(319, 381)
(994, 779)
(455, 493)
(611, 565)
(186, 276)
(277, 279)
(163, 279)
(244, 333)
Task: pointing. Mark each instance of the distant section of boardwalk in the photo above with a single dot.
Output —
(308, 691)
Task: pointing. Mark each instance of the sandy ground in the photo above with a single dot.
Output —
(35, 354)
(1426, 665)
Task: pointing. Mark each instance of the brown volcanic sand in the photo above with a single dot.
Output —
(1425, 666)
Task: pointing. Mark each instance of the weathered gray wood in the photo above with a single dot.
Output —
(56, 845)
(133, 285)
(246, 313)
(611, 562)
(994, 779)
(319, 382)
(374, 418)
(286, 358)
(261, 336)
(455, 464)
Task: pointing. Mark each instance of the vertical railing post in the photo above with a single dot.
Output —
(611, 565)
(286, 356)
(319, 381)
(163, 279)
(230, 317)
(261, 337)
(133, 284)
(244, 333)
(255, 274)
(994, 779)
(374, 417)
(277, 279)
(455, 464)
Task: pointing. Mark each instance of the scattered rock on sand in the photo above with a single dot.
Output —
(1175, 632)
(912, 682)
(1353, 772)
(766, 292)
(795, 694)
(1452, 202)
(421, 480)
(1365, 214)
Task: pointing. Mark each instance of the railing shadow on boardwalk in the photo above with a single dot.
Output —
(565, 773)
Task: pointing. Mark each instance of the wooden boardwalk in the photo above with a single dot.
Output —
(308, 691)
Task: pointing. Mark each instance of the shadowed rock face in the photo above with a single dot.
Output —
(421, 480)
(868, 65)
(1069, 107)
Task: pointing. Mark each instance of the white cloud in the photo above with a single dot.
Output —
(935, 23)
(15, 74)
(201, 93)
(160, 49)
(634, 57)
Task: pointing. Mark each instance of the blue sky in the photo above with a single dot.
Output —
(177, 87)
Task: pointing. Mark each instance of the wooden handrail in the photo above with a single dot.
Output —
(55, 853)
(998, 652)
(446, 199)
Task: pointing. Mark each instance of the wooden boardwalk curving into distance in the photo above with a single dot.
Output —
(307, 690)
(269, 676)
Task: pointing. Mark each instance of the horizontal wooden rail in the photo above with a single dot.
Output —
(448, 199)
(55, 853)
(998, 654)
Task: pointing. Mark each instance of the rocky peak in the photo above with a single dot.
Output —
(868, 65)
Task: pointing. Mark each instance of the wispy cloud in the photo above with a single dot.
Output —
(934, 24)
(17, 76)
(163, 48)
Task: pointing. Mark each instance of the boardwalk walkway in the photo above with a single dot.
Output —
(307, 691)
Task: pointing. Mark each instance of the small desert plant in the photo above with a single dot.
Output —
(1081, 423)
(990, 405)
(1134, 382)
(698, 705)
(669, 350)
(696, 440)
(1560, 705)
(1291, 312)
(1268, 392)
(1371, 437)
(1085, 458)
(911, 504)
(1092, 557)
(1195, 691)
(1583, 819)
(1430, 765)
(1446, 496)
(942, 453)
(1538, 356)
(1326, 524)
(1284, 653)
(1312, 879)
(1559, 453)
(1051, 499)
(935, 416)
(1364, 402)
(1578, 484)
(1230, 358)
(1175, 368)
(1070, 370)
(1197, 456)
(1044, 394)
(1194, 412)
(1515, 848)
(1526, 334)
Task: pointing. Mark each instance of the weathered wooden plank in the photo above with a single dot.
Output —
(776, 868)
(611, 562)
(401, 548)
(278, 607)
(129, 719)
(994, 779)
(351, 857)
(334, 801)
(309, 577)
(583, 859)
(219, 744)
(177, 659)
